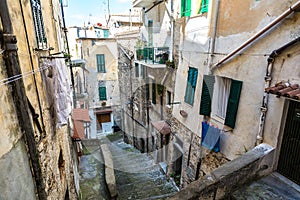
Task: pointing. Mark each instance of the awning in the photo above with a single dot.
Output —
(162, 126)
(285, 89)
(80, 114)
(78, 130)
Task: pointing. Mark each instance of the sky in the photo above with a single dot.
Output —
(78, 12)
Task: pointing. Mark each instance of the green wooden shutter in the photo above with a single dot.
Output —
(207, 93)
(204, 6)
(185, 8)
(233, 103)
(153, 93)
(102, 93)
(100, 62)
(38, 23)
(191, 85)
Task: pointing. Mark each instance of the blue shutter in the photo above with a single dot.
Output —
(233, 103)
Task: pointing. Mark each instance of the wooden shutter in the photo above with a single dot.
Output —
(185, 8)
(206, 96)
(102, 93)
(38, 24)
(191, 85)
(100, 62)
(204, 6)
(233, 102)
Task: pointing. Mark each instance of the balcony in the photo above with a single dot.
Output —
(153, 55)
(144, 3)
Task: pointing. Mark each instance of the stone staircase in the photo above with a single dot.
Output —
(137, 176)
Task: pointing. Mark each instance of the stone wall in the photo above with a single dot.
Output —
(195, 157)
(221, 182)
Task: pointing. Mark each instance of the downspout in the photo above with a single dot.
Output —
(214, 34)
(18, 93)
(68, 51)
(268, 79)
(257, 35)
(172, 32)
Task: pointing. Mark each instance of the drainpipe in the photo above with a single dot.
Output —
(9, 42)
(68, 51)
(268, 78)
(292, 9)
(214, 34)
(172, 32)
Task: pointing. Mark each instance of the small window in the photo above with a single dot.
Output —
(169, 98)
(100, 63)
(38, 24)
(137, 70)
(191, 85)
(102, 93)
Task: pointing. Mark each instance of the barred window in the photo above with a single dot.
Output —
(38, 24)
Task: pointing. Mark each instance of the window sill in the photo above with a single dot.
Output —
(219, 123)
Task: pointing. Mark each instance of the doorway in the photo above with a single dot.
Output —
(289, 158)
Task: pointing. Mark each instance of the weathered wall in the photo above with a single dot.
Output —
(236, 23)
(108, 47)
(53, 144)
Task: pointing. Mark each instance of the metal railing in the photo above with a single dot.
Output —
(152, 55)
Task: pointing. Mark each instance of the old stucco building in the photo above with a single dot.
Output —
(226, 59)
(36, 151)
(227, 55)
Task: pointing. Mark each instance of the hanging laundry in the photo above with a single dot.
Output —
(210, 137)
(62, 91)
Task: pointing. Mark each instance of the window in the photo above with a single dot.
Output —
(191, 85)
(221, 96)
(137, 70)
(186, 8)
(204, 6)
(169, 98)
(38, 24)
(153, 93)
(100, 63)
(106, 33)
(102, 93)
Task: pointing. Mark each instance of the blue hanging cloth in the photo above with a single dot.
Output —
(210, 137)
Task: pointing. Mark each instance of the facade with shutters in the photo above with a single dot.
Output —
(228, 96)
(37, 158)
(101, 82)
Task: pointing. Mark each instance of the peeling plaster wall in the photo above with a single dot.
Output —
(57, 176)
